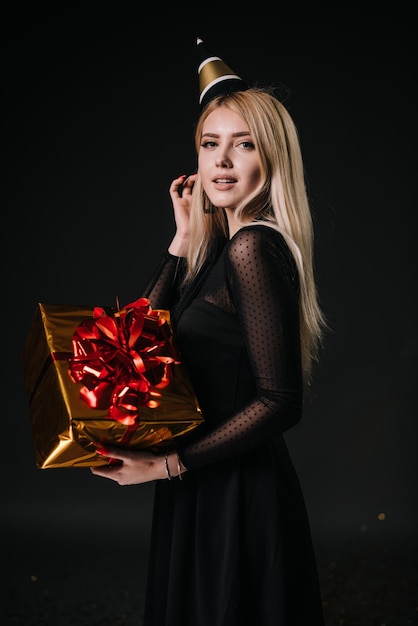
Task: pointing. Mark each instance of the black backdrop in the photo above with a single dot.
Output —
(98, 118)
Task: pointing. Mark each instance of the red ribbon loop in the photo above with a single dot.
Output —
(120, 357)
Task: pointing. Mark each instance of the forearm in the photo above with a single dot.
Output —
(162, 288)
(262, 420)
(179, 245)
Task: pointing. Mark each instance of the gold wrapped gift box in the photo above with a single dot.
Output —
(65, 430)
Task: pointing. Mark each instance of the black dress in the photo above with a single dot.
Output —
(231, 543)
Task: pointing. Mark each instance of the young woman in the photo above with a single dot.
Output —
(231, 543)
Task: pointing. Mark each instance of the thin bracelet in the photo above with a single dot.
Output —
(180, 473)
(167, 469)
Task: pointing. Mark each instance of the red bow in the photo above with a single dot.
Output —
(122, 358)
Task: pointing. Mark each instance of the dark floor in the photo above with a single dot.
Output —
(369, 582)
(78, 578)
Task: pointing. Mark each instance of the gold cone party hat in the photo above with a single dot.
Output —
(215, 77)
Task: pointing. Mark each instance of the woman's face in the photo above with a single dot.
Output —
(229, 164)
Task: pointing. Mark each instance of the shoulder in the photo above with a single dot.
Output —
(258, 239)
(262, 245)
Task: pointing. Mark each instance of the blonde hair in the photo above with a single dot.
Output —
(280, 201)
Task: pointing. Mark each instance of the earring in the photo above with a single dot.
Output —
(210, 209)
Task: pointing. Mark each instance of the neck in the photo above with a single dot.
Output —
(233, 225)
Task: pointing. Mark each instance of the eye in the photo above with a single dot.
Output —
(247, 145)
(208, 144)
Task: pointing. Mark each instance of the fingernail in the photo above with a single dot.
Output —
(102, 451)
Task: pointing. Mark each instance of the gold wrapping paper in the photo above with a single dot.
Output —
(65, 430)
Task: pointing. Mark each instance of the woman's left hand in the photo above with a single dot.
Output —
(131, 467)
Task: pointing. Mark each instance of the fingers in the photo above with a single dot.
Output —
(130, 466)
(188, 184)
(116, 461)
(182, 184)
(116, 454)
(111, 471)
(119, 456)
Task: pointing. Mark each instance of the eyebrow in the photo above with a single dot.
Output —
(244, 133)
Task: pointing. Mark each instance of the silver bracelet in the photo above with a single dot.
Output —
(180, 472)
(167, 469)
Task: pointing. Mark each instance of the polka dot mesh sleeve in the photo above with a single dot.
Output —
(258, 283)
(162, 290)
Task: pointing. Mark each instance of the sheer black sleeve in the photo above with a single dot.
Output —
(262, 287)
(163, 288)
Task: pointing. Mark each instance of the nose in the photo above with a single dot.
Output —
(223, 159)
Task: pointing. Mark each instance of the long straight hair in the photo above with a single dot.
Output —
(280, 201)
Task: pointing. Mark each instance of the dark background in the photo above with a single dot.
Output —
(98, 117)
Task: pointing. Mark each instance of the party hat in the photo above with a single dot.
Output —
(215, 77)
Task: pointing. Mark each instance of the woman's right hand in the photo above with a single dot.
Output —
(181, 195)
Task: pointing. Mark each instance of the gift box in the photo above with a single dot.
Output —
(99, 376)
